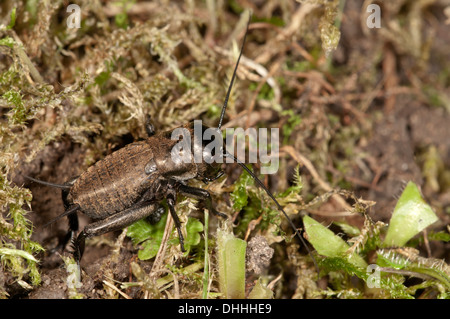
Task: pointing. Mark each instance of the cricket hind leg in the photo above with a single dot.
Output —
(114, 222)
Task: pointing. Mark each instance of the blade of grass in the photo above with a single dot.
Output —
(206, 261)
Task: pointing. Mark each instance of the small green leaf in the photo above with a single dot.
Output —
(16, 253)
(121, 20)
(149, 249)
(231, 265)
(13, 20)
(348, 229)
(260, 291)
(143, 230)
(149, 235)
(411, 215)
(193, 228)
(328, 244)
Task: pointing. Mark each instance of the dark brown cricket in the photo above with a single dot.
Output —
(129, 184)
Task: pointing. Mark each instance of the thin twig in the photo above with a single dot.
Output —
(163, 247)
(269, 75)
(110, 285)
(20, 50)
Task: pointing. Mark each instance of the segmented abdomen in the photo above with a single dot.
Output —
(113, 184)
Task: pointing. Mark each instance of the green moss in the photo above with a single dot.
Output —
(17, 229)
(293, 120)
(392, 265)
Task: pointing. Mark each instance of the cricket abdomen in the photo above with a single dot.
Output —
(115, 183)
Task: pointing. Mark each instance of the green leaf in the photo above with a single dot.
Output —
(13, 19)
(16, 253)
(193, 229)
(328, 244)
(348, 229)
(149, 235)
(121, 20)
(149, 249)
(260, 291)
(143, 230)
(411, 215)
(231, 264)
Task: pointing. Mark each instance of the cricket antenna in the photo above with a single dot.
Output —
(233, 77)
(227, 154)
(67, 187)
